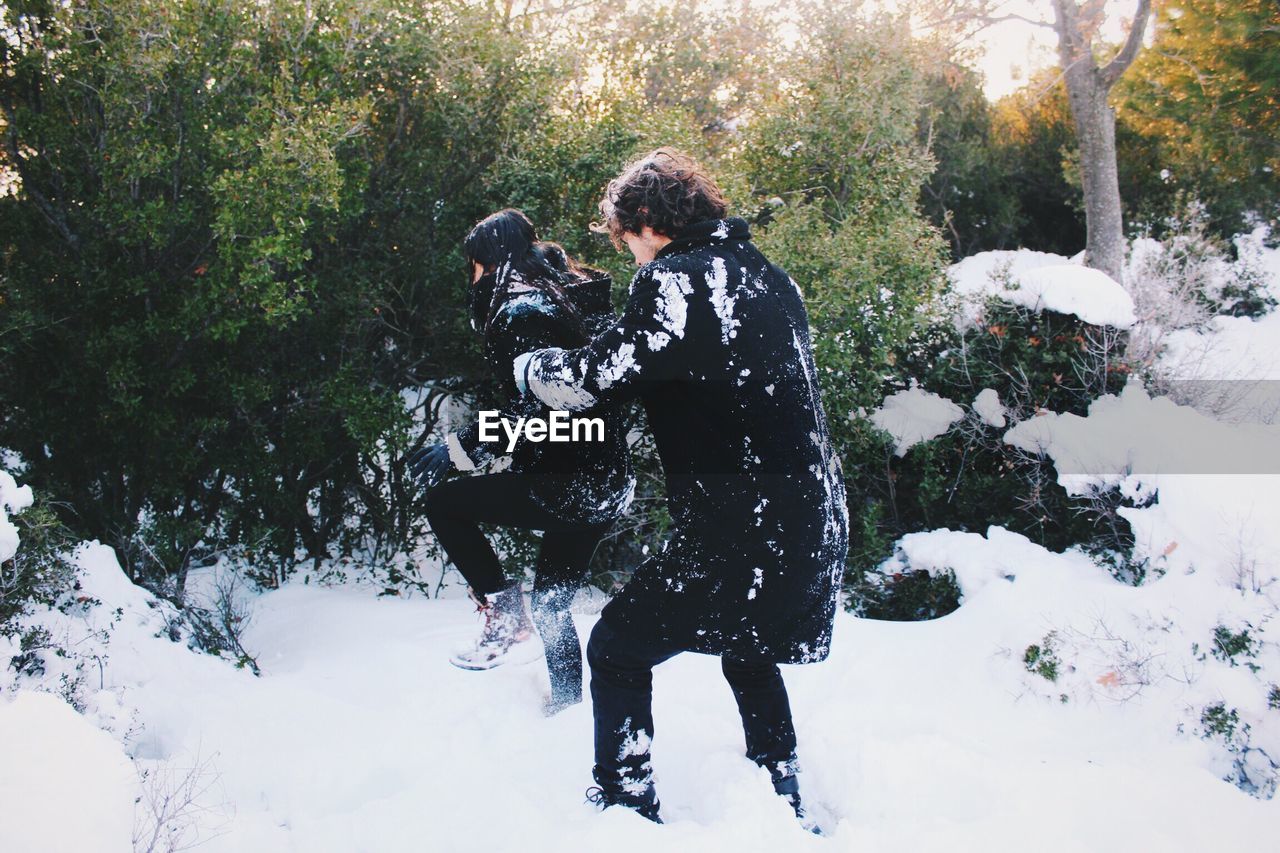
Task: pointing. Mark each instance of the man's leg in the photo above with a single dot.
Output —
(766, 715)
(622, 696)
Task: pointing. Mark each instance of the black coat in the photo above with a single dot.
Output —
(714, 340)
(584, 481)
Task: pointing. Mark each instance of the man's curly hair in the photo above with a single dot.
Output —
(666, 190)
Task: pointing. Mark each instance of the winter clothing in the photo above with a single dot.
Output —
(456, 509)
(647, 808)
(789, 789)
(584, 481)
(429, 464)
(714, 340)
(622, 692)
(571, 491)
(506, 623)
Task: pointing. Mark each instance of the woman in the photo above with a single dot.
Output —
(525, 295)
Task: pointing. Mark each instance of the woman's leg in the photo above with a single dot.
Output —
(562, 570)
(454, 510)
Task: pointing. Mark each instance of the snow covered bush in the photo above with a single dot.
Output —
(34, 574)
(949, 465)
(34, 570)
(1185, 279)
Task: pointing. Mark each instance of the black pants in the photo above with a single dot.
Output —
(455, 511)
(622, 694)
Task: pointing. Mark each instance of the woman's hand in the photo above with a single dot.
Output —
(429, 464)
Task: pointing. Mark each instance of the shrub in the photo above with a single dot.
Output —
(1042, 658)
(38, 574)
(1227, 645)
(906, 597)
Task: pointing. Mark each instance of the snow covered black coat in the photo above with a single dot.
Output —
(581, 481)
(714, 340)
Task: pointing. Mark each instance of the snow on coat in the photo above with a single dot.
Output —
(714, 340)
(580, 481)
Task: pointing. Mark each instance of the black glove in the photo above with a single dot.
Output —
(430, 464)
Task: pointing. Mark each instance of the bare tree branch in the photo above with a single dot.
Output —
(1122, 60)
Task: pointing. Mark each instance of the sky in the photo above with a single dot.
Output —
(1012, 51)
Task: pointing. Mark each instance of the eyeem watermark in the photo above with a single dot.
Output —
(559, 427)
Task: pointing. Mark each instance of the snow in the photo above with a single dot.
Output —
(361, 736)
(988, 407)
(1041, 281)
(13, 499)
(672, 306)
(1232, 348)
(913, 416)
(1090, 294)
(721, 301)
(1204, 528)
(1231, 365)
(1252, 249)
(1133, 433)
(65, 785)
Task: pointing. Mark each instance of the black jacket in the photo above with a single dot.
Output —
(714, 340)
(581, 481)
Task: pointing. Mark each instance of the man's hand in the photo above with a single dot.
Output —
(430, 464)
(520, 371)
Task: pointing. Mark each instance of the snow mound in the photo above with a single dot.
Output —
(1231, 348)
(914, 416)
(987, 405)
(978, 561)
(66, 786)
(1090, 294)
(1040, 281)
(1252, 249)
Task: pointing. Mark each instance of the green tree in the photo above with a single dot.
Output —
(837, 166)
(231, 244)
(1035, 144)
(1208, 96)
(970, 195)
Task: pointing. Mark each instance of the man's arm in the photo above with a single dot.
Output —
(645, 345)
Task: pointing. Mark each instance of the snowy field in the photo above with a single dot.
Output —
(941, 735)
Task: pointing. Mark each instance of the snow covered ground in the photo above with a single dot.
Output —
(942, 735)
(360, 736)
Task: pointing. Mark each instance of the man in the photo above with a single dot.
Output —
(714, 340)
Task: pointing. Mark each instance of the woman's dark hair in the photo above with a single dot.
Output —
(506, 245)
(666, 190)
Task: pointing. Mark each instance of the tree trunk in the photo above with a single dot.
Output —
(1087, 88)
(1096, 134)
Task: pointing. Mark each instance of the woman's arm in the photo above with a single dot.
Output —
(519, 327)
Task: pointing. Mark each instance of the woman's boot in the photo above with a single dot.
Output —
(506, 629)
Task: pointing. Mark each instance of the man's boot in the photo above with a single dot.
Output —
(788, 787)
(645, 801)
